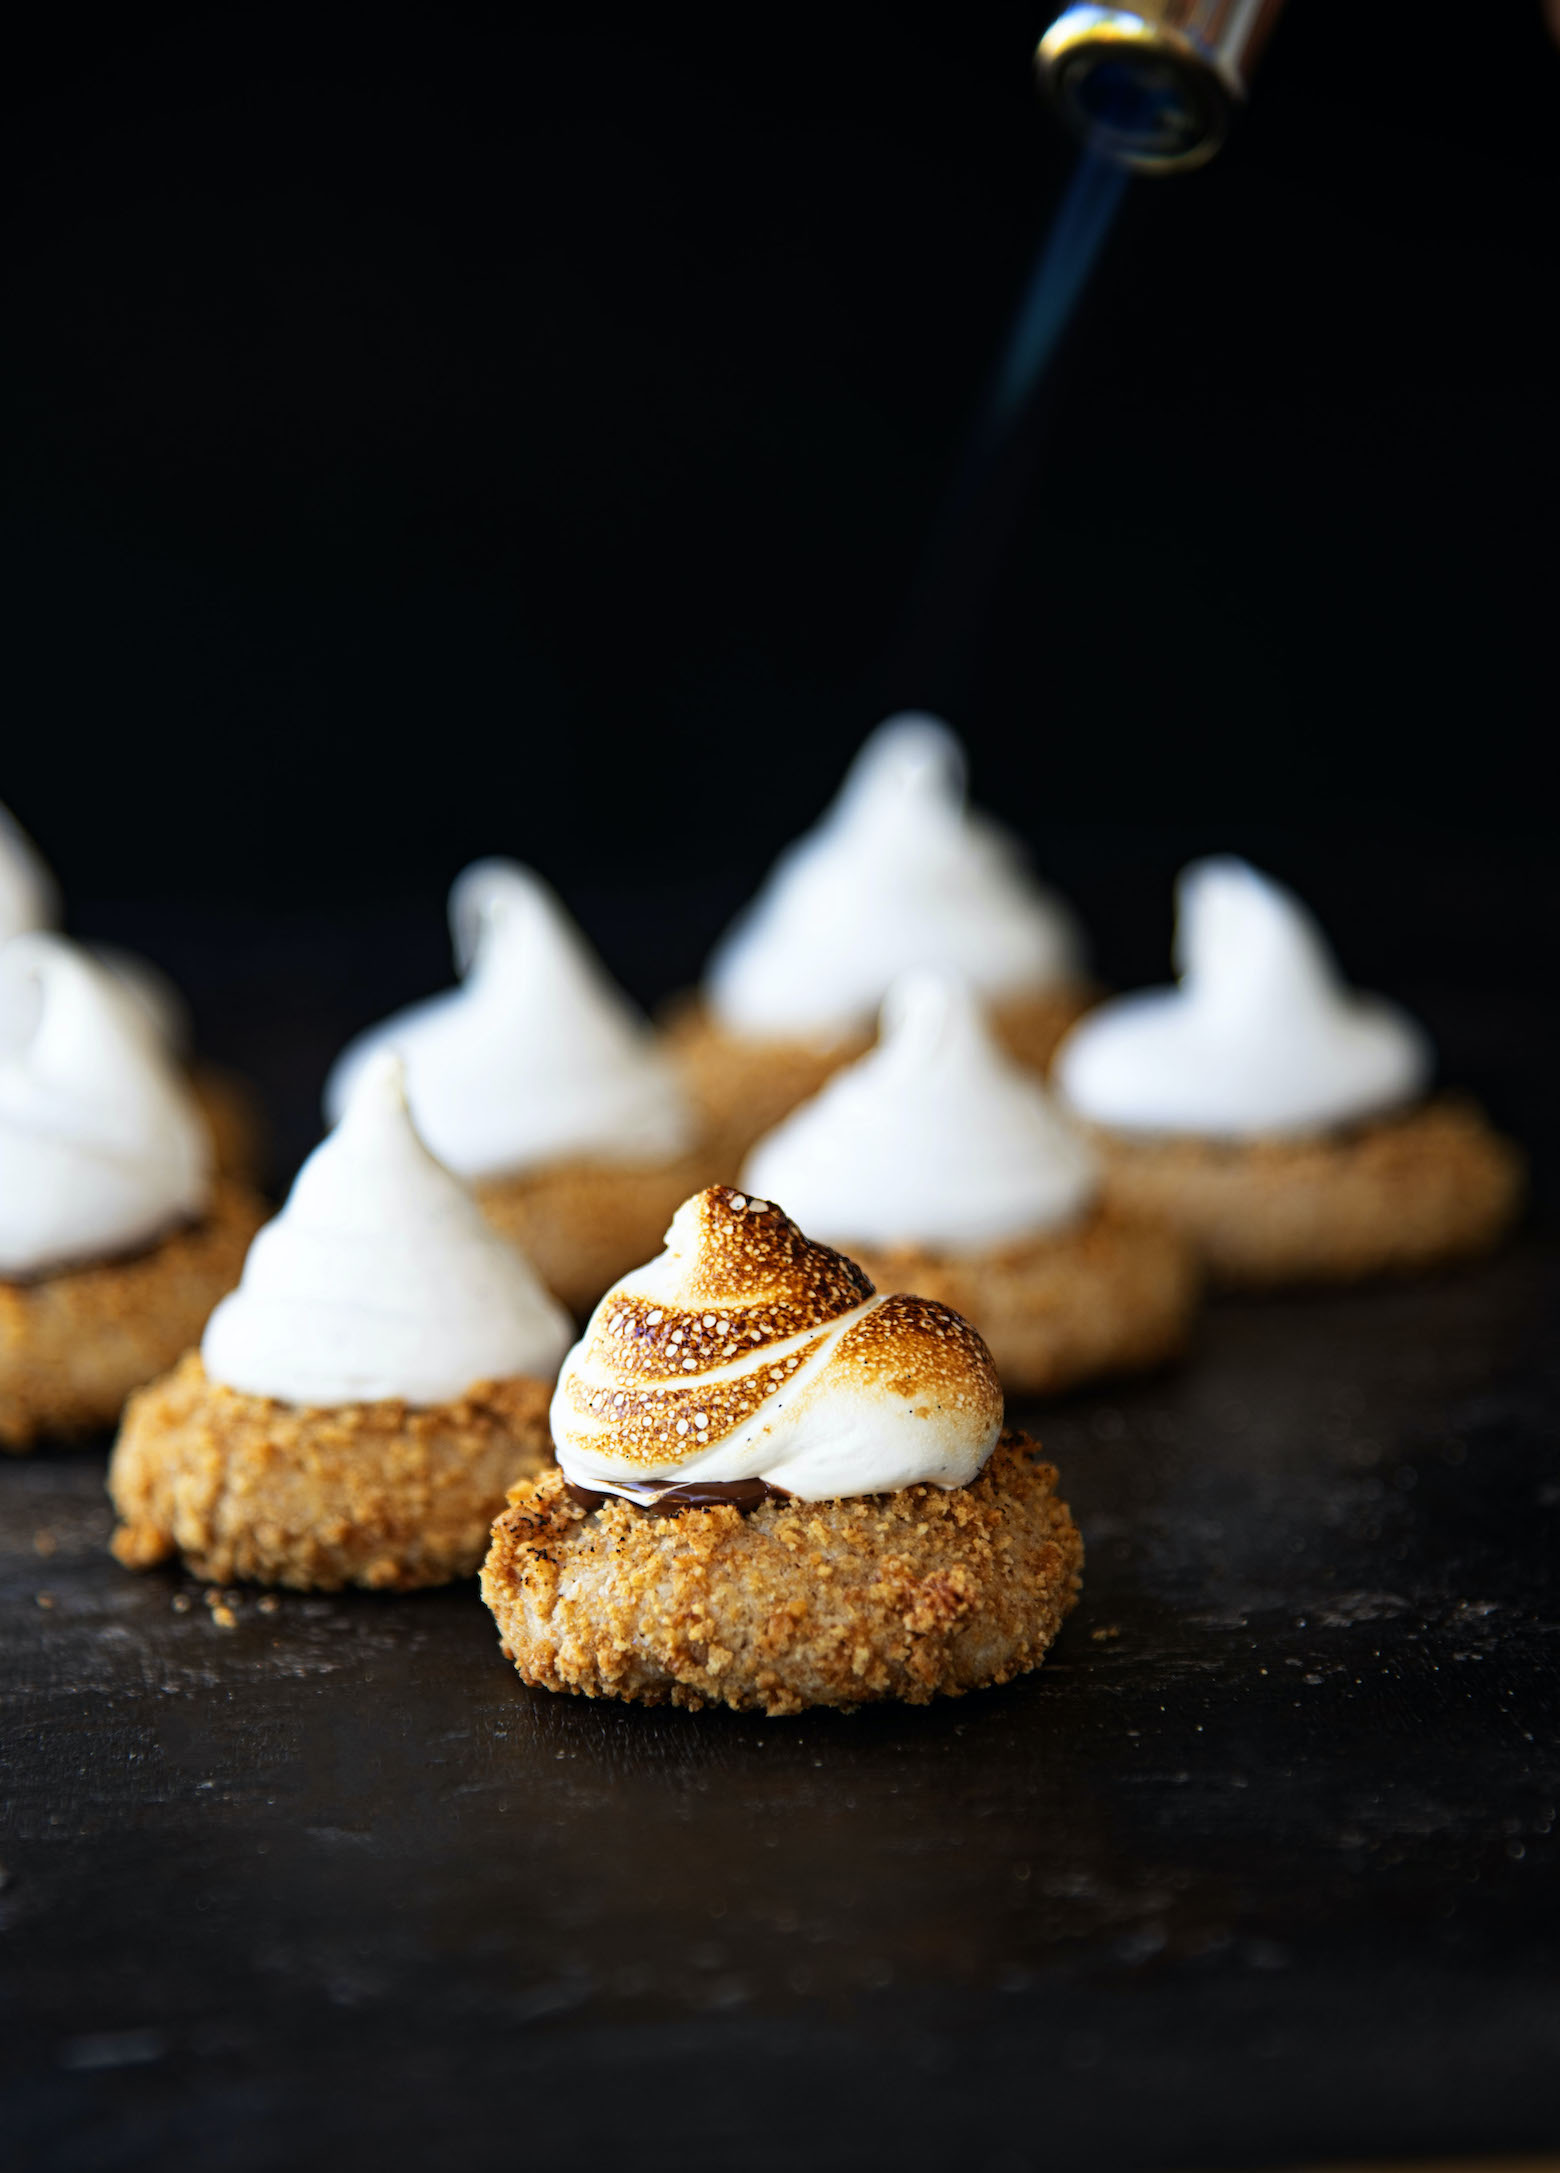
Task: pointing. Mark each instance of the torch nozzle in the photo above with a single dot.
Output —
(1153, 85)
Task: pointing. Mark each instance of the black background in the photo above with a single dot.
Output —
(438, 432)
(442, 433)
(447, 432)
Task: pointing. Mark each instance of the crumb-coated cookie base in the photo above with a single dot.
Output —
(909, 1595)
(744, 1087)
(234, 1119)
(377, 1494)
(73, 1345)
(1113, 1294)
(1404, 1193)
(582, 1225)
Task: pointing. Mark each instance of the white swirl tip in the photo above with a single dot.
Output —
(101, 1146)
(899, 872)
(1261, 1036)
(934, 1138)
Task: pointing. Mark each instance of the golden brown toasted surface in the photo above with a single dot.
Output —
(1112, 1294)
(377, 1494)
(72, 1346)
(660, 1379)
(234, 1119)
(1404, 1193)
(910, 1595)
(583, 1224)
(744, 1087)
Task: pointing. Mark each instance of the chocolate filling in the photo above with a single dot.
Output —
(665, 1497)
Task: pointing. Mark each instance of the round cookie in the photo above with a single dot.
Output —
(1112, 1294)
(909, 1595)
(73, 1344)
(583, 1224)
(745, 1087)
(1394, 1195)
(383, 1495)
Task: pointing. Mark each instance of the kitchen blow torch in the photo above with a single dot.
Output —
(1154, 86)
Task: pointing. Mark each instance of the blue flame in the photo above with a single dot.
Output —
(1077, 235)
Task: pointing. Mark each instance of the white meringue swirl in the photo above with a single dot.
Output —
(30, 899)
(535, 1056)
(381, 1278)
(747, 1352)
(28, 896)
(900, 872)
(101, 1148)
(1260, 1038)
(935, 1137)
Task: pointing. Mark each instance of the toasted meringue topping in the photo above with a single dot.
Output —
(935, 1137)
(1261, 1037)
(899, 873)
(536, 1056)
(747, 1352)
(101, 1148)
(381, 1278)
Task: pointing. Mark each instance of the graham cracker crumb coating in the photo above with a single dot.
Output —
(744, 1087)
(1114, 1294)
(384, 1495)
(912, 1595)
(583, 1224)
(73, 1345)
(1396, 1196)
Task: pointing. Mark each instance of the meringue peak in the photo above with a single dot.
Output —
(748, 1351)
(934, 1138)
(101, 1147)
(28, 896)
(726, 1247)
(381, 1278)
(1261, 1036)
(899, 872)
(535, 1056)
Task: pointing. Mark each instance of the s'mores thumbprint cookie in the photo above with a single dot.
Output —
(778, 1489)
(1283, 1122)
(537, 1083)
(360, 1405)
(116, 1237)
(30, 901)
(941, 1166)
(901, 872)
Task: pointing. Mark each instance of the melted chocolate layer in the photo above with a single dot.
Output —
(665, 1497)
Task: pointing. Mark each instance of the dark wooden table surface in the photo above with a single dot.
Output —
(1260, 1868)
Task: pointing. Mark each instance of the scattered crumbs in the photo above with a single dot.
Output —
(1103, 1635)
(268, 1603)
(44, 1599)
(44, 1542)
(212, 1596)
(181, 1603)
(224, 1617)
